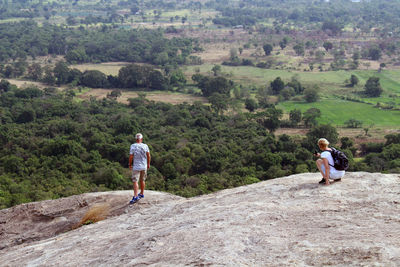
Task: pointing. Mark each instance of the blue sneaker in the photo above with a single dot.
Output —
(134, 199)
(140, 196)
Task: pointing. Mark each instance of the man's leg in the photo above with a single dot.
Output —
(135, 188)
(142, 182)
(321, 168)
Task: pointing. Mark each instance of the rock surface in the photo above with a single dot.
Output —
(39, 220)
(289, 221)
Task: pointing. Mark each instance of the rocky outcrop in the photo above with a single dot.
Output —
(288, 221)
(39, 220)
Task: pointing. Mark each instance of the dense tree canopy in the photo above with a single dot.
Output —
(53, 146)
(211, 85)
(26, 38)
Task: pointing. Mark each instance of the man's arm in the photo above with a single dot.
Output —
(130, 161)
(148, 159)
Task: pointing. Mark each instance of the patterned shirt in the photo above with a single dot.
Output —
(138, 150)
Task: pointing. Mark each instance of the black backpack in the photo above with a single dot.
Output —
(341, 162)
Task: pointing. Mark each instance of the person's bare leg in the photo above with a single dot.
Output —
(142, 183)
(319, 163)
(135, 189)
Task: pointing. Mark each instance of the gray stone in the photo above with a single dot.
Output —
(291, 221)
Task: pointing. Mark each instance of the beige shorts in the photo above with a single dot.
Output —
(139, 175)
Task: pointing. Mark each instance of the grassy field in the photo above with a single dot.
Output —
(390, 79)
(330, 82)
(12, 20)
(260, 76)
(158, 96)
(337, 112)
(110, 68)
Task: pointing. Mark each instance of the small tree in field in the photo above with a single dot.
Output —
(251, 104)
(267, 49)
(277, 85)
(381, 66)
(284, 42)
(295, 116)
(373, 87)
(353, 80)
(328, 46)
(310, 116)
(299, 49)
(353, 123)
(311, 94)
(219, 102)
(216, 70)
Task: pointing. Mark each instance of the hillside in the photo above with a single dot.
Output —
(289, 221)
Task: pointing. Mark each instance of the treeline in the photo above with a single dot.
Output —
(131, 76)
(79, 45)
(53, 146)
(361, 14)
(17, 9)
(235, 21)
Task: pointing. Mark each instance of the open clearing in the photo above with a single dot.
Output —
(337, 112)
(109, 68)
(258, 76)
(158, 96)
(25, 84)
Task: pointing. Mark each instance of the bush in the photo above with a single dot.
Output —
(95, 214)
(353, 123)
(311, 94)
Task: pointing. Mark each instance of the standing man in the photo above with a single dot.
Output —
(139, 163)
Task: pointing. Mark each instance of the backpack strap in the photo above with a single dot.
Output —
(330, 151)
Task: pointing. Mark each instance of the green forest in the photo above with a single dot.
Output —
(274, 77)
(53, 146)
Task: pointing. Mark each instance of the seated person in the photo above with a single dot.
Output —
(325, 163)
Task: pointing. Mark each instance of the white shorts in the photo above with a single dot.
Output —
(333, 173)
(139, 175)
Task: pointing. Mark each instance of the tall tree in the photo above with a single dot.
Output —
(267, 49)
(61, 73)
(270, 118)
(295, 116)
(373, 87)
(299, 49)
(327, 45)
(310, 116)
(311, 94)
(211, 85)
(353, 80)
(219, 102)
(277, 85)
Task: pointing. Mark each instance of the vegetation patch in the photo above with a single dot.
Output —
(158, 96)
(109, 68)
(337, 112)
(95, 214)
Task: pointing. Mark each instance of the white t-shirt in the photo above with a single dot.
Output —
(138, 150)
(333, 173)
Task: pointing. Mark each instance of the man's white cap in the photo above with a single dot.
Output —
(139, 136)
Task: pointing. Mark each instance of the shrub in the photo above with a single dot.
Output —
(95, 214)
